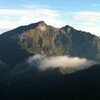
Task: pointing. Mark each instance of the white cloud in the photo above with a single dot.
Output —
(66, 62)
(34, 5)
(95, 5)
(11, 18)
(31, 13)
(12, 12)
(95, 30)
(88, 21)
(87, 16)
(48, 12)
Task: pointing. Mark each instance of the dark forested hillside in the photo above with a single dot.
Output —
(51, 85)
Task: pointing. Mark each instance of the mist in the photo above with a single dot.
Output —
(64, 62)
(40, 63)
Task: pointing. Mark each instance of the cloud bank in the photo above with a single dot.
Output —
(43, 63)
(65, 62)
(12, 18)
(38, 64)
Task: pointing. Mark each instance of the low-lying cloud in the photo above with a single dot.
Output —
(38, 64)
(65, 62)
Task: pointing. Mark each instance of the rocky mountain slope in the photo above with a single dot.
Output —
(40, 38)
(84, 44)
(20, 80)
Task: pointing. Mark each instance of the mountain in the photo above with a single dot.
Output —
(83, 44)
(39, 38)
(20, 80)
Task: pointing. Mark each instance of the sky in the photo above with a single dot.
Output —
(81, 14)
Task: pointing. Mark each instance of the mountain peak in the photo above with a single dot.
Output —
(41, 26)
(40, 38)
(67, 28)
(41, 23)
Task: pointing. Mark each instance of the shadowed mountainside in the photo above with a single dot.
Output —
(52, 85)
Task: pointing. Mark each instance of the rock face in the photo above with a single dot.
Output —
(40, 38)
(83, 44)
(46, 40)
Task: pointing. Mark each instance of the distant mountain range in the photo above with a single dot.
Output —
(40, 38)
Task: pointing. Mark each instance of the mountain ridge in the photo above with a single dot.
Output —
(20, 79)
(40, 38)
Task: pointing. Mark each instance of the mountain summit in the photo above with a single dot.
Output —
(40, 38)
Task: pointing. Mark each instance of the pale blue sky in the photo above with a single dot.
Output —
(80, 14)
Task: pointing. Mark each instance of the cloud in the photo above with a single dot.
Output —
(38, 64)
(34, 5)
(73, 63)
(33, 12)
(37, 11)
(87, 16)
(93, 30)
(87, 21)
(11, 18)
(95, 5)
